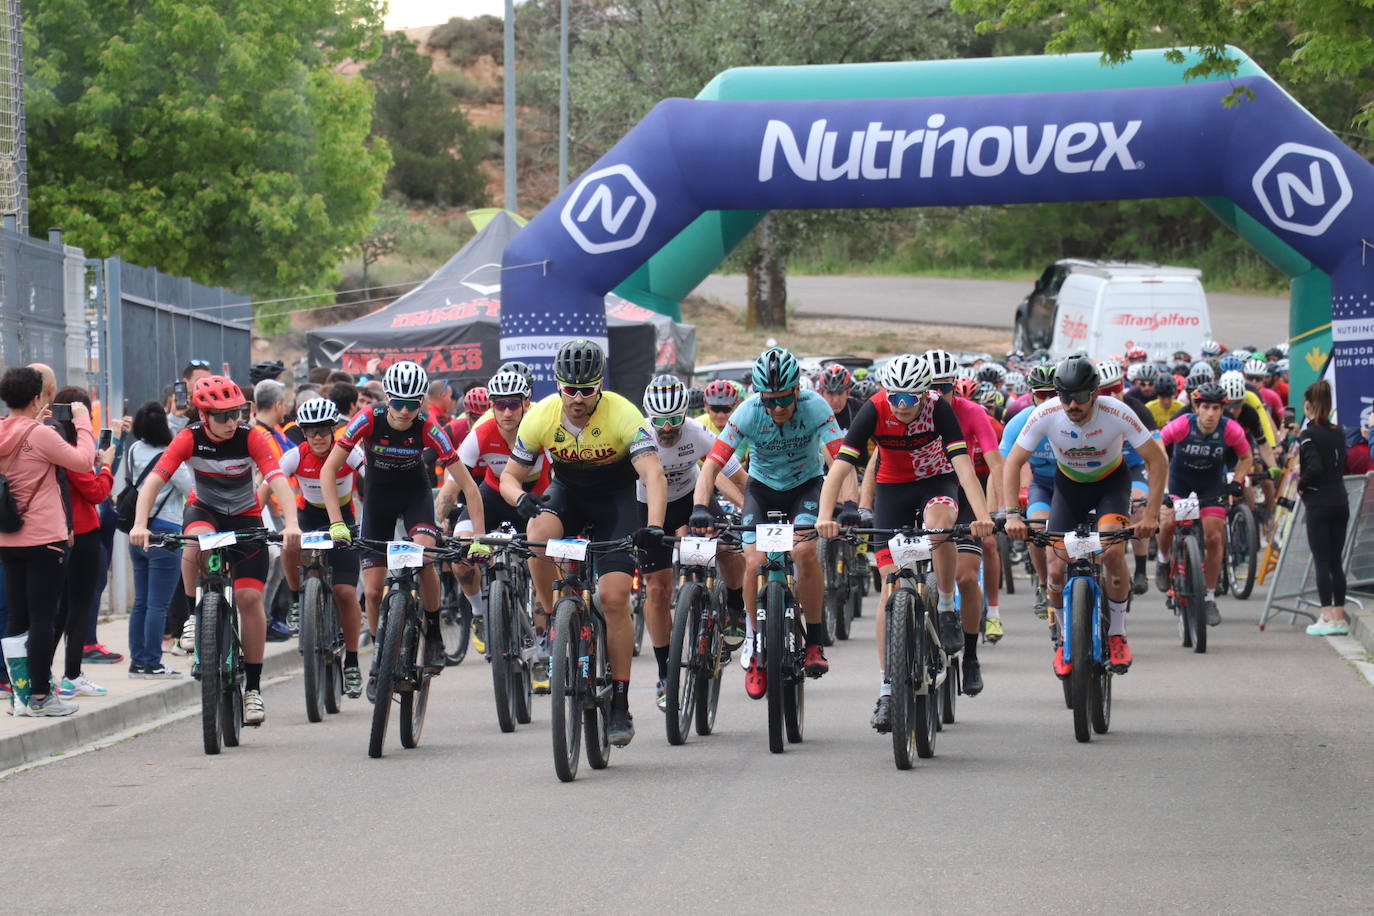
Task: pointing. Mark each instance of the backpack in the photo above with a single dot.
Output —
(126, 505)
(11, 516)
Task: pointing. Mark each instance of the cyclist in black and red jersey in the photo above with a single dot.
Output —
(394, 435)
(222, 451)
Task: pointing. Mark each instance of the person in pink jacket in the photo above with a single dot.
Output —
(33, 555)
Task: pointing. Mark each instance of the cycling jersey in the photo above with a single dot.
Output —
(1016, 405)
(906, 451)
(1162, 414)
(1270, 399)
(486, 453)
(1196, 461)
(1265, 435)
(1091, 451)
(394, 456)
(786, 456)
(458, 428)
(223, 470)
(1042, 462)
(597, 454)
(680, 462)
(845, 415)
(304, 465)
(978, 431)
(1251, 421)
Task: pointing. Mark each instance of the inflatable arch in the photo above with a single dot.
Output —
(679, 191)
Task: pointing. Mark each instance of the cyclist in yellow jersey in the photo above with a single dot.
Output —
(1166, 405)
(600, 445)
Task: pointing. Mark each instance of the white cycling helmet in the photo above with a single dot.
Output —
(1016, 381)
(1134, 370)
(1211, 348)
(1282, 364)
(909, 373)
(1108, 373)
(508, 383)
(943, 365)
(317, 412)
(967, 372)
(666, 396)
(1255, 368)
(1233, 383)
(1201, 372)
(405, 380)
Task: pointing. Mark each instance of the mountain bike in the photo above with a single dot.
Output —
(401, 674)
(580, 671)
(844, 584)
(1086, 621)
(1005, 549)
(321, 638)
(697, 655)
(510, 629)
(1242, 551)
(455, 613)
(218, 661)
(1187, 593)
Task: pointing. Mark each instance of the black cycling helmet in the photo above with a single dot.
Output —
(864, 388)
(696, 399)
(1165, 386)
(1076, 373)
(991, 374)
(1041, 378)
(265, 370)
(1209, 393)
(579, 362)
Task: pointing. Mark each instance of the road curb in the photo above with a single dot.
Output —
(112, 716)
(1361, 625)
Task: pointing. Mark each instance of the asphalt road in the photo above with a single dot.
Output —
(1236, 320)
(1235, 782)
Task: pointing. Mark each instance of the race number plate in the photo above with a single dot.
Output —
(696, 551)
(775, 538)
(907, 550)
(217, 539)
(567, 548)
(404, 554)
(1080, 547)
(1185, 510)
(316, 540)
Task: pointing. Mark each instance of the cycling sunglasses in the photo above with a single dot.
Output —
(903, 399)
(404, 403)
(318, 430)
(781, 402)
(226, 416)
(720, 408)
(668, 422)
(198, 364)
(1077, 397)
(943, 387)
(581, 391)
(507, 404)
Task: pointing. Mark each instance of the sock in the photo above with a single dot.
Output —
(431, 620)
(620, 694)
(815, 634)
(971, 646)
(350, 659)
(886, 689)
(1140, 565)
(1211, 594)
(944, 601)
(296, 596)
(734, 599)
(1117, 612)
(994, 612)
(253, 675)
(479, 604)
(661, 654)
(1161, 558)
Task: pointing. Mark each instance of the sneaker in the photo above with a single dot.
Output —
(661, 698)
(151, 672)
(992, 630)
(756, 678)
(1042, 604)
(1329, 628)
(353, 682)
(1213, 615)
(188, 635)
(539, 671)
(479, 635)
(1120, 654)
(881, 720)
(816, 663)
(973, 678)
(372, 678)
(434, 650)
(732, 633)
(277, 631)
(621, 729)
(1162, 576)
(97, 654)
(293, 618)
(254, 711)
(1139, 584)
(50, 706)
(80, 686)
(951, 632)
(1062, 667)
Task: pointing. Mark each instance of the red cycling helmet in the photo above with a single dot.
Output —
(835, 378)
(217, 393)
(965, 387)
(722, 393)
(477, 401)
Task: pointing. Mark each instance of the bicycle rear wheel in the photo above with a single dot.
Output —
(1190, 592)
(637, 610)
(685, 662)
(333, 658)
(231, 696)
(415, 701)
(596, 715)
(708, 681)
(388, 660)
(833, 595)
(1004, 554)
(774, 653)
(567, 687)
(505, 657)
(794, 696)
(1100, 687)
(522, 634)
(949, 691)
(208, 654)
(455, 619)
(1081, 610)
(313, 676)
(1243, 550)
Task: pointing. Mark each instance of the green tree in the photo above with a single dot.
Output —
(211, 139)
(391, 230)
(437, 152)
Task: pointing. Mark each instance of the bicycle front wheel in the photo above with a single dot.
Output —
(774, 655)
(388, 651)
(415, 699)
(1081, 610)
(567, 685)
(898, 631)
(313, 675)
(1195, 587)
(505, 655)
(210, 654)
(685, 662)
(231, 698)
(713, 663)
(596, 712)
(1243, 550)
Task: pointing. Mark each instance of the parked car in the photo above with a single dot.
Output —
(1104, 307)
(736, 370)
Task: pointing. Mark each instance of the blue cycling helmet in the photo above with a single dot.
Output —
(1230, 363)
(775, 370)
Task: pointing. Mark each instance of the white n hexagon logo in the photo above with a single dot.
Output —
(600, 214)
(1302, 188)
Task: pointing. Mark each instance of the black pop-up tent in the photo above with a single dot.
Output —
(451, 325)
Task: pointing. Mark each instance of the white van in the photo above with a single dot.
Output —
(1111, 308)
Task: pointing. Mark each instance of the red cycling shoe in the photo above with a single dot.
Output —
(756, 679)
(1062, 667)
(1120, 654)
(816, 663)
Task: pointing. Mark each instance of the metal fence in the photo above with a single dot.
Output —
(41, 315)
(1293, 588)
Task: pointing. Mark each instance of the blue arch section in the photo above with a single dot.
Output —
(1268, 157)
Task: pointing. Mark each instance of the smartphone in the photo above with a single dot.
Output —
(179, 392)
(61, 411)
(1290, 416)
(106, 439)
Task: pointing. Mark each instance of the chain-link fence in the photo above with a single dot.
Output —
(39, 321)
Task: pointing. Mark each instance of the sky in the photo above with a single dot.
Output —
(404, 14)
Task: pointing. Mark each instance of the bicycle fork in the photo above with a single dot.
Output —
(1095, 592)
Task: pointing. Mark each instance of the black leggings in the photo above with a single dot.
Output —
(1326, 537)
(33, 586)
(78, 602)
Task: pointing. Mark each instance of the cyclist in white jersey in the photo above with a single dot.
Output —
(682, 445)
(1086, 431)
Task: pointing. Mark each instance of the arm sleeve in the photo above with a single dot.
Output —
(438, 440)
(952, 433)
(175, 454)
(1177, 428)
(290, 461)
(260, 450)
(1310, 463)
(855, 447)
